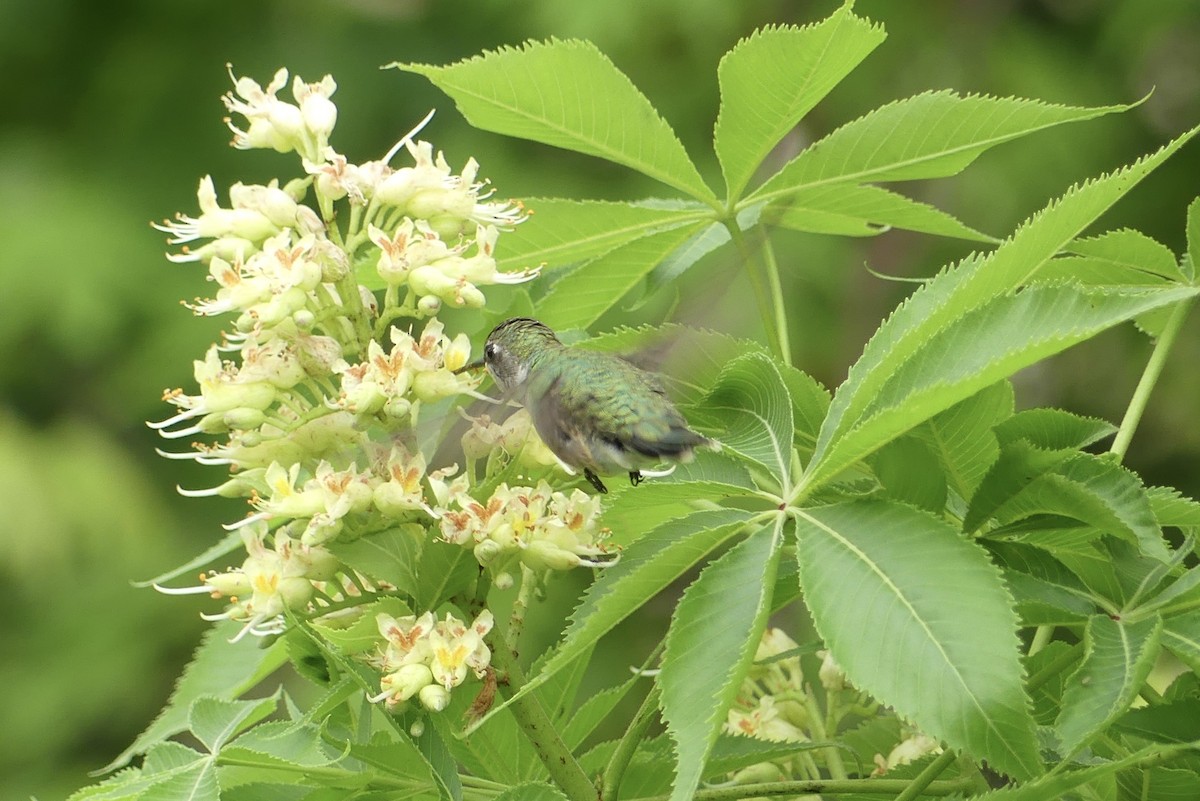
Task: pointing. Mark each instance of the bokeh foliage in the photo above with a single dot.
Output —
(111, 107)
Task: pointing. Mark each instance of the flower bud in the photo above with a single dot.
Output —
(488, 550)
(429, 305)
(407, 681)
(544, 555)
(434, 697)
(296, 591)
(229, 584)
(762, 772)
(832, 677)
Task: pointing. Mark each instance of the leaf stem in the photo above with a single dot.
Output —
(539, 729)
(1053, 668)
(627, 747)
(769, 292)
(1154, 368)
(926, 777)
(823, 786)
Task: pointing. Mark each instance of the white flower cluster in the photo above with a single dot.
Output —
(429, 658)
(542, 528)
(312, 398)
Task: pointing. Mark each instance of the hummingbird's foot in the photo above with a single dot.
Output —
(595, 481)
(635, 477)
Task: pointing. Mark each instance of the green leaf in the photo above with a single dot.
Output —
(1053, 429)
(1017, 467)
(361, 633)
(1181, 636)
(733, 752)
(879, 579)
(1172, 508)
(647, 567)
(1047, 593)
(771, 79)
(229, 543)
(391, 555)
(1117, 658)
(1094, 490)
(1174, 722)
(909, 471)
(931, 135)
(581, 722)
(579, 298)
(1056, 785)
(750, 412)
(962, 437)
(710, 645)
(397, 757)
(531, 791)
(569, 95)
(562, 231)
(1131, 250)
(810, 403)
(974, 282)
(281, 743)
(985, 345)
(215, 721)
(445, 569)
(220, 669)
(197, 782)
(1193, 239)
(863, 210)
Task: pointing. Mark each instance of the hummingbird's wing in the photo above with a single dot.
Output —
(599, 412)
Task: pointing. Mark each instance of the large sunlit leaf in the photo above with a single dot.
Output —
(569, 95)
(219, 668)
(879, 579)
(749, 411)
(579, 298)
(562, 231)
(771, 79)
(972, 283)
(1118, 656)
(1053, 429)
(711, 643)
(930, 135)
(987, 344)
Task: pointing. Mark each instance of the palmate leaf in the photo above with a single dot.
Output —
(1053, 429)
(569, 95)
(563, 231)
(218, 668)
(771, 79)
(1132, 251)
(879, 578)
(215, 721)
(988, 344)
(579, 298)
(1118, 656)
(863, 210)
(710, 645)
(930, 135)
(971, 284)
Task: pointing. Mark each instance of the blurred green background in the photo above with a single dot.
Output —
(112, 114)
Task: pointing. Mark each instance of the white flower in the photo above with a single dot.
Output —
(273, 123)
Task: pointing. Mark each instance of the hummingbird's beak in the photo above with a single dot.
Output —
(475, 365)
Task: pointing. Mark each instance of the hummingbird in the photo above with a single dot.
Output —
(596, 412)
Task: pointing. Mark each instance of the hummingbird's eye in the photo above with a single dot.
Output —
(489, 350)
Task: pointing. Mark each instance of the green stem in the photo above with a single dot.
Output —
(1049, 671)
(1041, 637)
(821, 786)
(926, 777)
(1154, 368)
(768, 293)
(539, 729)
(776, 286)
(516, 621)
(627, 747)
(833, 757)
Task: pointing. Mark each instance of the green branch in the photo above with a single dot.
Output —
(541, 732)
(627, 747)
(1154, 368)
(824, 787)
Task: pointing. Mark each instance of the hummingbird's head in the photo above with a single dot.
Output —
(511, 347)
